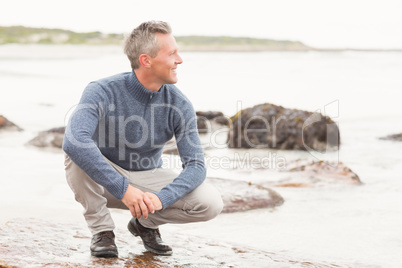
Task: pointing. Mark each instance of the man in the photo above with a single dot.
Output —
(114, 142)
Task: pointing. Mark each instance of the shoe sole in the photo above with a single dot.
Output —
(162, 253)
(105, 254)
(132, 230)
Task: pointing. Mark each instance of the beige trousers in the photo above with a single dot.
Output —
(202, 204)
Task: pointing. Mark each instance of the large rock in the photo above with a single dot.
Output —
(39, 243)
(52, 138)
(271, 126)
(6, 124)
(242, 196)
(307, 173)
(394, 137)
(212, 127)
(207, 121)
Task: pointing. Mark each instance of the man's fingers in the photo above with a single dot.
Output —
(132, 210)
(137, 211)
(149, 204)
(144, 210)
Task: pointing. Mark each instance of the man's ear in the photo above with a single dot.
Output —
(145, 61)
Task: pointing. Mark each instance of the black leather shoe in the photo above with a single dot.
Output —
(150, 237)
(102, 245)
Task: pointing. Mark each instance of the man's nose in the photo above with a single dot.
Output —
(179, 60)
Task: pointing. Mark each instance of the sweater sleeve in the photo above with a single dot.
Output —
(80, 146)
(191, 155)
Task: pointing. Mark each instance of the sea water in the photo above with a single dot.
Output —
(353, 226)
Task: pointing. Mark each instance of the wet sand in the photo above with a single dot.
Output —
(32, 242)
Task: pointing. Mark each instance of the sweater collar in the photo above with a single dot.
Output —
(138, 91)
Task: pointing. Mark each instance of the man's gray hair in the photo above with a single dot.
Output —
(143, 40)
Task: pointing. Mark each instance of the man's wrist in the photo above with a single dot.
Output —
(163, 199)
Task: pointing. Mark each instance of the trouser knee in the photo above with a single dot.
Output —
(210, 204)
(213, 209)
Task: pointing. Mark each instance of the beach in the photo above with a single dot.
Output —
(330, 226)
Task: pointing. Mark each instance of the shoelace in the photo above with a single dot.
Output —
(105, 234)
(154, 233)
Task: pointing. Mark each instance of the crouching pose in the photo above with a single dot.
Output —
(114, 142)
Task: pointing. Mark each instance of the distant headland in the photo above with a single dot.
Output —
(29, 35)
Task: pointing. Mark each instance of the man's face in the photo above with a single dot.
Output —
(164, 65)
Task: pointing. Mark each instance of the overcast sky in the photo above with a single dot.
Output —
(318, 23)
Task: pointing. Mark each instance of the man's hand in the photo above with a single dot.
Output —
(138, 202)
(155, 200)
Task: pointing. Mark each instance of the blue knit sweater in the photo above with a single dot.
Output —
(119, 118)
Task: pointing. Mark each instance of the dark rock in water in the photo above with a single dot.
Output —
(213, 136)
(5, 124)
(222, 120)
(271, 126)
(202, 126)
(205, 119)
(242, 196)
(304, 173)
(209, 114)
(39, 243)
(394, 137)
(49, 138)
